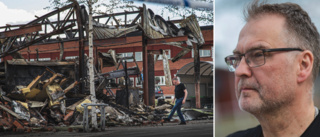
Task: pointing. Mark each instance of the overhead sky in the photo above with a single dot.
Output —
(229, 21)
(23, 11)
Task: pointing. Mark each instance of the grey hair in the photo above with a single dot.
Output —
(176, 78)
(303, 32)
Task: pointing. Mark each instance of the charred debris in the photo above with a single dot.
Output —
(44, 95)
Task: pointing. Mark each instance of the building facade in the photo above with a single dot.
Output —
(132, 47)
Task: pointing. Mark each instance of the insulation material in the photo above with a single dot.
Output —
(81, 108)
(21, 109)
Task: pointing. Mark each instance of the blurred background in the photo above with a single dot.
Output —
(228, 23)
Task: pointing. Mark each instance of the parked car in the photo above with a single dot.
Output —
(158, 92)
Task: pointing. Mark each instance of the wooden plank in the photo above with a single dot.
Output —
(11, 112)
(20, 31)
(114, 18)
(135, 19)
(180, 54)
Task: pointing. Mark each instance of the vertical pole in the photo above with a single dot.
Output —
(81, 45)
(126, 80)
(125, 19)
(145, 58)
(61, 49)
(95, 57)
(37, 54)
(28, 53)
(197, 75)
(151, 80)
(91, 73)
(166, 68)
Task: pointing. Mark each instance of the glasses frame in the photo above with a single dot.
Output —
(232, 68)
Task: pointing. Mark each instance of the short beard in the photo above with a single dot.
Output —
(269, 105)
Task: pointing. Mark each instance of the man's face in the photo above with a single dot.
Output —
(270, 86)
(175, 82)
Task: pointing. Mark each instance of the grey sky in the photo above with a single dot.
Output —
(28, 5)
(23, 11)
(229, 21)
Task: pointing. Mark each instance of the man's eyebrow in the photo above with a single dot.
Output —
(235, 51)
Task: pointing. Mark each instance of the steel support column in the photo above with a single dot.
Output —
(81, 45)
(145, 58)
(127, 80)
(151, 80)
(145, 70)
(197, 75)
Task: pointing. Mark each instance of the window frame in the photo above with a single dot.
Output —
(126, 55)
(163, 80)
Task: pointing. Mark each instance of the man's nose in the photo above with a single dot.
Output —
(243, 69)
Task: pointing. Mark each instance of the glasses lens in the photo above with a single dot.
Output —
(232, 62)
(255, 58)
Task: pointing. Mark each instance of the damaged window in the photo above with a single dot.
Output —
(160, 80)
(203, 53)
(168, 53)
(138, 56)
(71, 57)
(44, 59)
(128, 54)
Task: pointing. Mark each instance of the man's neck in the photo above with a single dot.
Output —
(287, 122)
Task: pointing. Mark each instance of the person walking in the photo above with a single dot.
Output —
(180, 93)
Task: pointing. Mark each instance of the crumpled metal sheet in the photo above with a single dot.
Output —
(192, 23)
(21, 109)
(102, 32)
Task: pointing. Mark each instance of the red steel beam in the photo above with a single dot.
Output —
(20, 31)
(145, 59)
(110, 41)
(167, 40)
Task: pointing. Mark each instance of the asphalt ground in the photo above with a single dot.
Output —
(195, 128)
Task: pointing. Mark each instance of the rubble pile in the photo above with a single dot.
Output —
(42, 105)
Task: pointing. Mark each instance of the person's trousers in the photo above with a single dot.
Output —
(177, 107)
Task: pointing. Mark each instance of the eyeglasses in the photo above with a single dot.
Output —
(254, 58)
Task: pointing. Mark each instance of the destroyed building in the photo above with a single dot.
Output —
(44, 73)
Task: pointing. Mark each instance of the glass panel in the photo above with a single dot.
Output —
(138, 56)
(160, 80)
(205, 53)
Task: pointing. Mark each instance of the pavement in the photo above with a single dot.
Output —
(195, 128)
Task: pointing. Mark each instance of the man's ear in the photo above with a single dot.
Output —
(305, 66)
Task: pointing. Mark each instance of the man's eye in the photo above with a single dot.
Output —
(256, 54)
